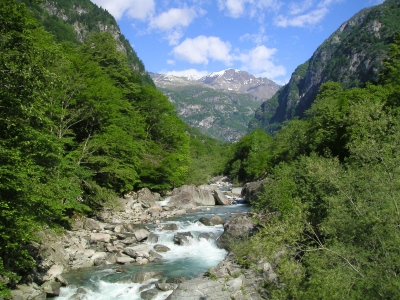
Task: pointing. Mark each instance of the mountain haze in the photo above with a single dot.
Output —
(352, 55)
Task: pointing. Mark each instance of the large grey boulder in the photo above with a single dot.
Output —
(220, 198)
(141, 234)
(146, 198)
(182, 238)
(183, 200)
(236, 227)
(253, 190)
(201, 196)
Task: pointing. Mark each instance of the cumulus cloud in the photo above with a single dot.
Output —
(175, 17)
(259, 61)
(192, 73)
(135, 9)
(173, 22)
(202, 49)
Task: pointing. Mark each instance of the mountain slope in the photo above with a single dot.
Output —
(352, 55)
(74, 22)
(220, 104)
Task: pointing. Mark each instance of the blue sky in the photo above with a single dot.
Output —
(267, 38)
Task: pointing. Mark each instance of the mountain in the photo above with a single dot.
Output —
(75, 21)
(229, 80)
(352, 55)
(220, 104)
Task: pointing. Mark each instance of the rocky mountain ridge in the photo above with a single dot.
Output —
(220, 104)
(229, 80)
(352, 55)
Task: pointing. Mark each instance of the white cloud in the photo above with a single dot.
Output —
(192, 73)
(202, 49)
(296, 8)
(173, 22)
(238, 8)
(257, 38)
(135, 9)
(175, 17)
(311, 18)
(259, 61)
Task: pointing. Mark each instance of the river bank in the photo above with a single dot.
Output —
(120, 238)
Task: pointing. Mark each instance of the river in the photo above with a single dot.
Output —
(202, 253)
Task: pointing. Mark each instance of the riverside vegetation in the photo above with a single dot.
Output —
(79, 126)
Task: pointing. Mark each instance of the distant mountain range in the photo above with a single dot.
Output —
(220, 104)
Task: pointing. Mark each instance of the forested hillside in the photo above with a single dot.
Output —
(78, 127)
(330, 212)
(352, 55)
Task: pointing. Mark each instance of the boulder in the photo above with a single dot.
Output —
(215, 220)
(141, 277)
(124, 259)
(252, 190)
(161, 248)
(182, 238)
(236, 227)
(91, 225)
(51, 288)
(149, 294)
(100, 237)
(136, 251)
(145, 198)
(141, 234)
(183, 200)
(202, 197)
(220, 198)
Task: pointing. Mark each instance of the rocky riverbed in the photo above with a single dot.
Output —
(120, 237)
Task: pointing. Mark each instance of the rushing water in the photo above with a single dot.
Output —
(114, 281)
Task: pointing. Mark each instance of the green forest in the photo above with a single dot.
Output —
(79, 126)
(329, 218)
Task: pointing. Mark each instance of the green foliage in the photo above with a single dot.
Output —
(250, 157)
(78, 127)
(330, 211)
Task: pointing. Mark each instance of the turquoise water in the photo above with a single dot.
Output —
(114, 281)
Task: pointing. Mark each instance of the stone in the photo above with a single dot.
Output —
(200, 288)
(91, 225)
(217, 220)
(220, 198)
(170, 226)
(124, 259)
(145, 198)
(99, 255)
(201, 197)
(149, 294)
(161, 248)
(253, 190)
(141, 277)
(154, 255)
(165, 286)
(152, 238)
(141, 234)
(51, 288)
(235, 284)
(139, 250)
(236, 227)
(100, 237)
(183, 200)
(182, 238)
(141, 261)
